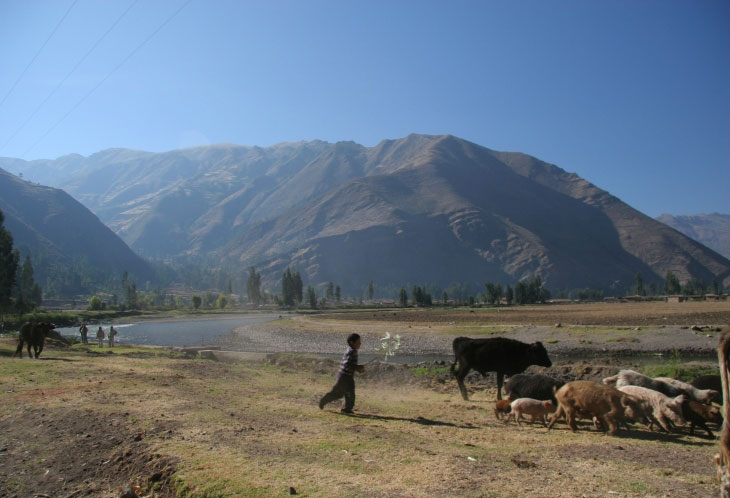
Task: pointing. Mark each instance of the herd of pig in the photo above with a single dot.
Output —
(621, 399)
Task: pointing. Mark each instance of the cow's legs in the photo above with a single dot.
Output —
(30, 355)
(19, 351)
(500, 381)
(460, 375)
(38, 350)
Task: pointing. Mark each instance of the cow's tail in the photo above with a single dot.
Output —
(457, 349)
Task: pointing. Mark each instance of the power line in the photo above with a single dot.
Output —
(88, 94)
(53, 92)
(37, 54)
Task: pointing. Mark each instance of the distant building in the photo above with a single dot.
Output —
(676, 299)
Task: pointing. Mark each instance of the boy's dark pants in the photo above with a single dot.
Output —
(345, 386)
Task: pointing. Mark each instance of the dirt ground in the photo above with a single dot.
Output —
(84, 422)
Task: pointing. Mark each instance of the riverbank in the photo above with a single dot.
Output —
(431, 333)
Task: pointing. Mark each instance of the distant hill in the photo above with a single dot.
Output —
(421, 209)
(712, 230)
(69, 246)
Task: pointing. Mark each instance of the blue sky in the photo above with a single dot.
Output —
(634, 96)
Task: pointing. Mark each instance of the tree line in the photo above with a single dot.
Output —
(19, 292)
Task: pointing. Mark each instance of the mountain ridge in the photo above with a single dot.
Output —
(471, 212)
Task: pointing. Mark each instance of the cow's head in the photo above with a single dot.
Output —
(539, 355)
(46, 327)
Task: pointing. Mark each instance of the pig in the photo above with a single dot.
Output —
(708, 382)
(663, 409)
(608, 405)
(501, 407)
(534, 408)
(632, 378)
(706, 396)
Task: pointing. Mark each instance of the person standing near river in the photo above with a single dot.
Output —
(100, 336)
(345, 385)
(84, 330)
(112, 334)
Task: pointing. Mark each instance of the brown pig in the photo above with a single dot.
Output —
(607, 404)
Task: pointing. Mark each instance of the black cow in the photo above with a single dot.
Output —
(496, 354)
(34, 333)
(540, 387)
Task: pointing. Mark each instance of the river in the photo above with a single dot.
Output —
(170, 333)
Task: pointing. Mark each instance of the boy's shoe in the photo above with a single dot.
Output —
(321, 403)
(349, 412)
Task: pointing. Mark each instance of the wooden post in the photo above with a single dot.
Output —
(722, 459)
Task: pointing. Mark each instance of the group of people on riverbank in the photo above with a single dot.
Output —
(100, 335)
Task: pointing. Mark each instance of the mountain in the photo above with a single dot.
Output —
(61, 234)
(421, 209)
(712, 230)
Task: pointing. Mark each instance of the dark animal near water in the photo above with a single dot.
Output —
(536, 386)
(496, 354)
(33, 333)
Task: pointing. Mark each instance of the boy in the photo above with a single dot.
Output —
(345, 385)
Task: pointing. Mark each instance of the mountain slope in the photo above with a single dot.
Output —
(465, 213)
(712, 230)
(60, 233)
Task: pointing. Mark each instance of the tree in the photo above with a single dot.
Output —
(715, 286)
(297, 283)
(131, 295)
(371, 290)
(509, 294)
(8, 266)
(222, 301)
(288, 291)
(29, 292)
(494, 292)
(403, 297)
(230, 287)
(652, 288)
(521, 292)
(639, 285)
(338, 293)
(253, 286)
(95, 303)
(311, 297)
(444, 298)
(196, 301)
(330, 293)
(671, 284)
(695, 287)
(534, 290)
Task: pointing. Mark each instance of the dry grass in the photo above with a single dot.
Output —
(253, 429)
(593, 314)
